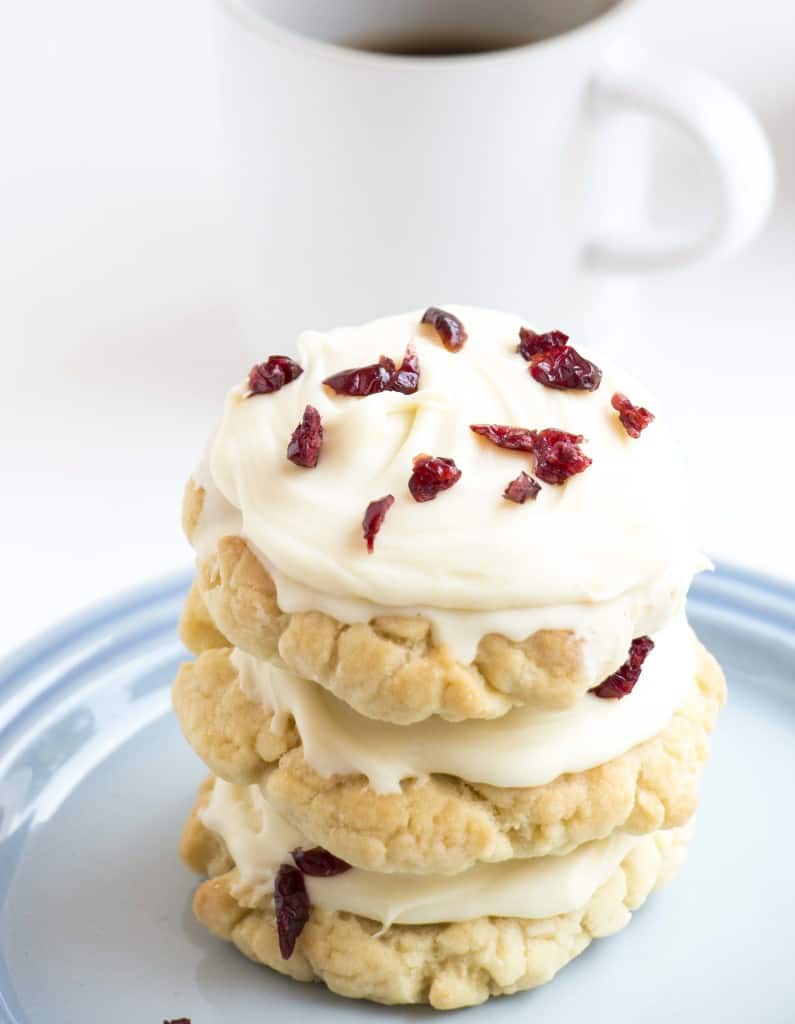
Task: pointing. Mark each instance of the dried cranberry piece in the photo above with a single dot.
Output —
(530, 343)
(518, 438)
(634, 418)
(556, 452)
(272, 375)
(362, 380)
(558, 456)
(565, 369)
(406, 379)
(623, 681)
(432, 475)
(319, 863)
(522, 488)
(291, 903)
(374, 516)
(451, 331)
(304, 446)
(178, 1020)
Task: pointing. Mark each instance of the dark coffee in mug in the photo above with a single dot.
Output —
(429, 45)
(431, 28)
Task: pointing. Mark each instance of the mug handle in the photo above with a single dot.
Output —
(725, 129)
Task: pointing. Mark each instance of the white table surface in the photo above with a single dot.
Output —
(117, 333)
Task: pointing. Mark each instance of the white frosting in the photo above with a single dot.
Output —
(612, 528)
(526, 747)
(607, 554)
(606, 627)
(259, 840)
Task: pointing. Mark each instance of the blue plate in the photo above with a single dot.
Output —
(96, 780)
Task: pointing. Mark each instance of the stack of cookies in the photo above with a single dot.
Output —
(452, 709)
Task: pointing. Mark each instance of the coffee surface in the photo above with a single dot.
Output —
(420, 45)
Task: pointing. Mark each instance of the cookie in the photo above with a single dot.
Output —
(390, 668)
(447, 965)
(444, 824)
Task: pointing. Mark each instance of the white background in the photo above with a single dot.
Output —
(117, 334)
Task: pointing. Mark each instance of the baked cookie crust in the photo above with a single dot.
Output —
(444, 824)
(447, 965)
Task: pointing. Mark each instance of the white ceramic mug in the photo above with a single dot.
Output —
(364, 183)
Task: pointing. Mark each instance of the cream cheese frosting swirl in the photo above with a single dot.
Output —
(615, 528)
(526, 747)
(259, 840)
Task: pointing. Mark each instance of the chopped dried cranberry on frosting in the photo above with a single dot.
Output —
(521, 489)
(565, 369)
(531, 344)
(431, 476)
(557, 453)
(291, 905)
(622, 682)
(634, 418)
(272, 375)
(451, 331)
(307, 440)
(361, 381)
(373, 520)
(559, 456)
(319, 863)
(517, 438)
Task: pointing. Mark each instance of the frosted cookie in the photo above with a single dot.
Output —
(440, 797)
(514, 564)
(393, 939)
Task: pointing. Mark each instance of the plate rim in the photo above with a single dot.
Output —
(732, 588)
